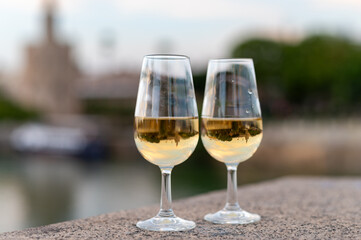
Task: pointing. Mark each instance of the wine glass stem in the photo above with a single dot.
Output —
(232, 199)
(166, 194)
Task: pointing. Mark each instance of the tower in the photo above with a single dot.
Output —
(49, 77)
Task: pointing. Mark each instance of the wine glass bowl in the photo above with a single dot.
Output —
(164, 141)
(166, 128)
(232, 127)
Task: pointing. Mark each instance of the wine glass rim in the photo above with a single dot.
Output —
(166, 56)
(235, 60)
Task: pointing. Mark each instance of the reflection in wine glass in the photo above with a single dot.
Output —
(166, 127)
(231, 127)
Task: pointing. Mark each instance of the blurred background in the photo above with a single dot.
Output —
(69, 73)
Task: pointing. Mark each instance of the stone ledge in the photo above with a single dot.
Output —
(291, 208)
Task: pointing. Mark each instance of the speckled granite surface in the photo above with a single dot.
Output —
(291, 208)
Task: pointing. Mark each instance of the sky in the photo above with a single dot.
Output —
(116, 34)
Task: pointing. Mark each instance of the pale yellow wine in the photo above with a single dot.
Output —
(166, 141)
(231, 140)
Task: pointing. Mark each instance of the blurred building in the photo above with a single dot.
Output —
(109, 94)
(112, 86)
(48, 80)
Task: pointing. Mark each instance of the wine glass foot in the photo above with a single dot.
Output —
(232, 217)
(166, 224)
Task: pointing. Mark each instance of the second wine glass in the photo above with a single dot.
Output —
(231, 127)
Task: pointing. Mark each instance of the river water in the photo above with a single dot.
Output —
(39, 190)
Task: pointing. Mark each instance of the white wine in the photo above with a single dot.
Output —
(166, 141)
(231, 140)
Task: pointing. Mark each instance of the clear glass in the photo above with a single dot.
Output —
(166, 127)
(231, 127)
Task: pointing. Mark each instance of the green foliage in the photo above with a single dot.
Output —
(11, 111)
(268, 56)
(199, 82)
(122, 108)
(320, 75)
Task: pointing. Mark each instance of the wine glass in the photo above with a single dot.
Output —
(166, 127)
(231, 127)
